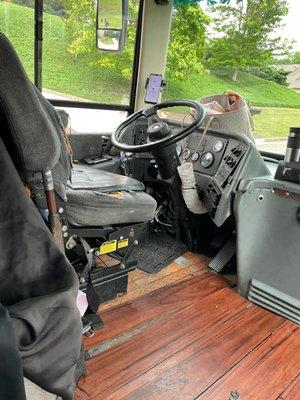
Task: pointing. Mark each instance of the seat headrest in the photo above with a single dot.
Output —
(25, 125)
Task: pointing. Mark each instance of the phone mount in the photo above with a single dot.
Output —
(153, 87)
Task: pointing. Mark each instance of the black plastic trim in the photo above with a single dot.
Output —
(276, 156)
(91, 105)
(137, 55)
(38, 43)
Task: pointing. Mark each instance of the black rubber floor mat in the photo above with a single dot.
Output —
(158, 252)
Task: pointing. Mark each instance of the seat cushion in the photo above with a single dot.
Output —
(97, 198)
(85, 177)
(95, 208)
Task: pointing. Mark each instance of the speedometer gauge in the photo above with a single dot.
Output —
(207, 159)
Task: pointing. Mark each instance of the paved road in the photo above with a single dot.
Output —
(272, 145)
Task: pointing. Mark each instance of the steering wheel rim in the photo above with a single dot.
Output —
(149, 112)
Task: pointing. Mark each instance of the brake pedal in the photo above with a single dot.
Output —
(224, 255)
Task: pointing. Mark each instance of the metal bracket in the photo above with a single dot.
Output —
(234, 395)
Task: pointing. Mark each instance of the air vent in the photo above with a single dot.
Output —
(274, 300)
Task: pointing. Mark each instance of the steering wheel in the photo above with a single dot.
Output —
(160, 133)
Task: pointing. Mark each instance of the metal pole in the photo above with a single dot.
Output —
(54, 221)
(38, 43)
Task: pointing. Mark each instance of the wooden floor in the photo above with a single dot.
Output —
(194, 339)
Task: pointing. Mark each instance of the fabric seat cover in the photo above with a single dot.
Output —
(33, 131)
(97, 198)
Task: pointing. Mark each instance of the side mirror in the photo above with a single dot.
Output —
(112, 19)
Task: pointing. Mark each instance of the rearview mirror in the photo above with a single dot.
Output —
(112, 18)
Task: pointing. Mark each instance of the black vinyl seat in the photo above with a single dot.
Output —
(34, 135)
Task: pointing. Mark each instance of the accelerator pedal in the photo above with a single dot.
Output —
(224, 256)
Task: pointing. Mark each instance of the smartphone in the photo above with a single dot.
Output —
(153, 88)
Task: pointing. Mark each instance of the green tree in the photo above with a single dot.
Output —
(243, 34)
(81, 21)
(295, 58)
(185, 52)
(186, 42)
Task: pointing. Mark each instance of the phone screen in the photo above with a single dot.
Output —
(153, 88)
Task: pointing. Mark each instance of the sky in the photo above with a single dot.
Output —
(292, 23)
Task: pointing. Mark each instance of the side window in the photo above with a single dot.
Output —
(251, 48)
(17, 23)
(73, 68)
(84, 120)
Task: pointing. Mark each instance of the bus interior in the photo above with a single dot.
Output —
(150, 205)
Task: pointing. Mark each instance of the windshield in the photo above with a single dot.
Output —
(72, 66)
(248, 48)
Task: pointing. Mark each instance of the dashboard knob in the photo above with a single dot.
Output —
(195, 157)
(186, 154)
(207, 159)
(218, 145)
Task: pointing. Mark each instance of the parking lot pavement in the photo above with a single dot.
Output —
(272, 145)
(85, 120)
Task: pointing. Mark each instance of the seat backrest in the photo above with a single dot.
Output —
(29, 125)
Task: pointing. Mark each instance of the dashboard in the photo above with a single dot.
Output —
(220, 161)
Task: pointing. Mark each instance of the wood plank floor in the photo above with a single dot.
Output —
(193, 339)
(141, 283)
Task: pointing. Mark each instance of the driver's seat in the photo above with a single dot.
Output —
(97, 197)
(34, 136)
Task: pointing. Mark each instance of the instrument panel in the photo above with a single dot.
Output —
(215, 160)
(214, 157)
(220, 161)
(206, 157)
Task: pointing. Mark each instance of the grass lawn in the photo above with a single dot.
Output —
(110, 12)
(275, 122)
(61, 71)
(259, 92)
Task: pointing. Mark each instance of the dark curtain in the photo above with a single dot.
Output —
(38, 287)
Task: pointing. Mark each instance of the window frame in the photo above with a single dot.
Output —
(38, 64)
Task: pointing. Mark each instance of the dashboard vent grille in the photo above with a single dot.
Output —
(274, 300)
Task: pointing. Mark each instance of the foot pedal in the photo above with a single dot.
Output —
(224, 255)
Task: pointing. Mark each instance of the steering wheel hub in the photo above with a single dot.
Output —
(158, 130)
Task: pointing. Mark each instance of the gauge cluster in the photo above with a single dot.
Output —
(207, 158)
(215, 160)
